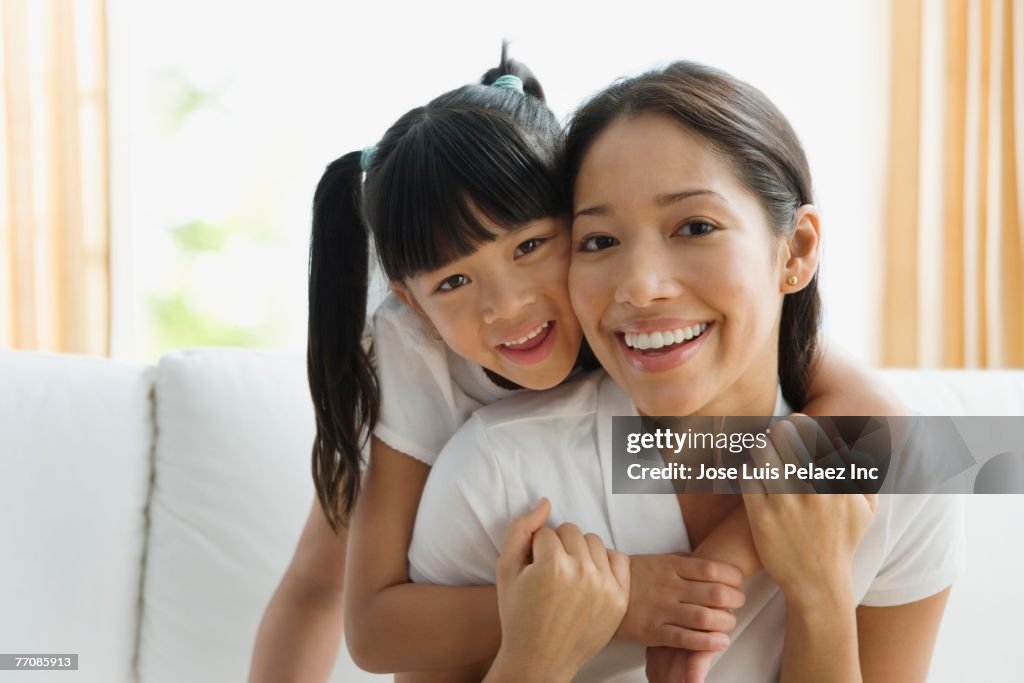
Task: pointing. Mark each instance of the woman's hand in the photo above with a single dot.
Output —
(681, 602)
(806, 541)
(559, 608)
(670, 665)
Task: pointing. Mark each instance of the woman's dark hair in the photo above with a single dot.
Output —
(742, 125)
(475, 154)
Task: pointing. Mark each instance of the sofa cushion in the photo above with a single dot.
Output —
(75, 448)
(232, 490)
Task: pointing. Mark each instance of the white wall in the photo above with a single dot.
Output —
(318, 79)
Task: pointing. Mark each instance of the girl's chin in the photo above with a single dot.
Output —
(539, 379)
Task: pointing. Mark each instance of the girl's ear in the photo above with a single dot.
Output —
(802, 250)
(407, 298)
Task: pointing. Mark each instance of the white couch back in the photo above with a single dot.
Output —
(230, 491)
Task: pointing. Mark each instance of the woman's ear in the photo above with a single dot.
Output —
(803, 249)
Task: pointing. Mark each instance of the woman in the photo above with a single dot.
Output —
(692, 214)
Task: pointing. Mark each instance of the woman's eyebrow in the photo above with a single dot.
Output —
(662, 200)
(596, 210)
(673, 197)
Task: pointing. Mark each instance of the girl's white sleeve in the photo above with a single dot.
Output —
(418, 409)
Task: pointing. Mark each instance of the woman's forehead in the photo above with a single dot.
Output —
(653, 159)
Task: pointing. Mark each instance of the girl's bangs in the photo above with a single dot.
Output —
(466, 177)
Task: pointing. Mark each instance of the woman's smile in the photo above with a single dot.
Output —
(658, 351)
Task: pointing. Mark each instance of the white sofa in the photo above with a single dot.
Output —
(147, 513)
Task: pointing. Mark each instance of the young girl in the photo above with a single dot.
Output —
(692, 210)
(466, 204)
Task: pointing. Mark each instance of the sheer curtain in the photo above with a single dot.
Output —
(954, 239)
(54, 217)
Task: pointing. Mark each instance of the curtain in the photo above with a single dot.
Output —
(954, 234)
(54, 215)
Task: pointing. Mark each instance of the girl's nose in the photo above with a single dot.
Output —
(506, 301)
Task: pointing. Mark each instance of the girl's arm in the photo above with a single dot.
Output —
(390, 623)
(841, 386)
(299, 635)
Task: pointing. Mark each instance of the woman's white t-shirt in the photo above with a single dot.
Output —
(426, 390)
(558, 444)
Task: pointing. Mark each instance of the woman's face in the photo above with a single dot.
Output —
(676, 278)
(506, 306)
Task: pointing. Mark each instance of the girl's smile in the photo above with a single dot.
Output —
(532, 347)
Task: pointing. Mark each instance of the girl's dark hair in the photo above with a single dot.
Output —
(742, 125)
(437, 183)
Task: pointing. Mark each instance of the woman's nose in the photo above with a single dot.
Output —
(646, 275)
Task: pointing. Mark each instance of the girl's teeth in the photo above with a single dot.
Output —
(656, 340)
(523, 340)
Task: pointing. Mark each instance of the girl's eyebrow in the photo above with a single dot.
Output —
(662, 200)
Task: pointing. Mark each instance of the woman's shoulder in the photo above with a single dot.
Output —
(535, 422)
(523, 414)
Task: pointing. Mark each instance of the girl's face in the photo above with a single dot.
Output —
(506, 306)
(676, 278)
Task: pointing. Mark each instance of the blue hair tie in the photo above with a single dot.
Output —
(509, 81)
(366, 157)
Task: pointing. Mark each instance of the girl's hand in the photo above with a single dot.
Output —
(807, 541)
(681, 601)
(560, 607)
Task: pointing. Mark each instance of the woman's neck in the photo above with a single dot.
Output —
(754, 393)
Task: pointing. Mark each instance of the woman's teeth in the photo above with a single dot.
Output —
(655, 340)
(522, 340)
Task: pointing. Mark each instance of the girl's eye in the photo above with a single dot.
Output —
(453, 282)
(696, 229)
(528, 246)
(597, 243)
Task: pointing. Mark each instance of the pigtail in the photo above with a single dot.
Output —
(342, 382)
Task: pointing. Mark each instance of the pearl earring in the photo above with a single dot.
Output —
(792, 280)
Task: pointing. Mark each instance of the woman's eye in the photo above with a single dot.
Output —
(597, 243)
(528, 246)
(696, 228)
(453, 282)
